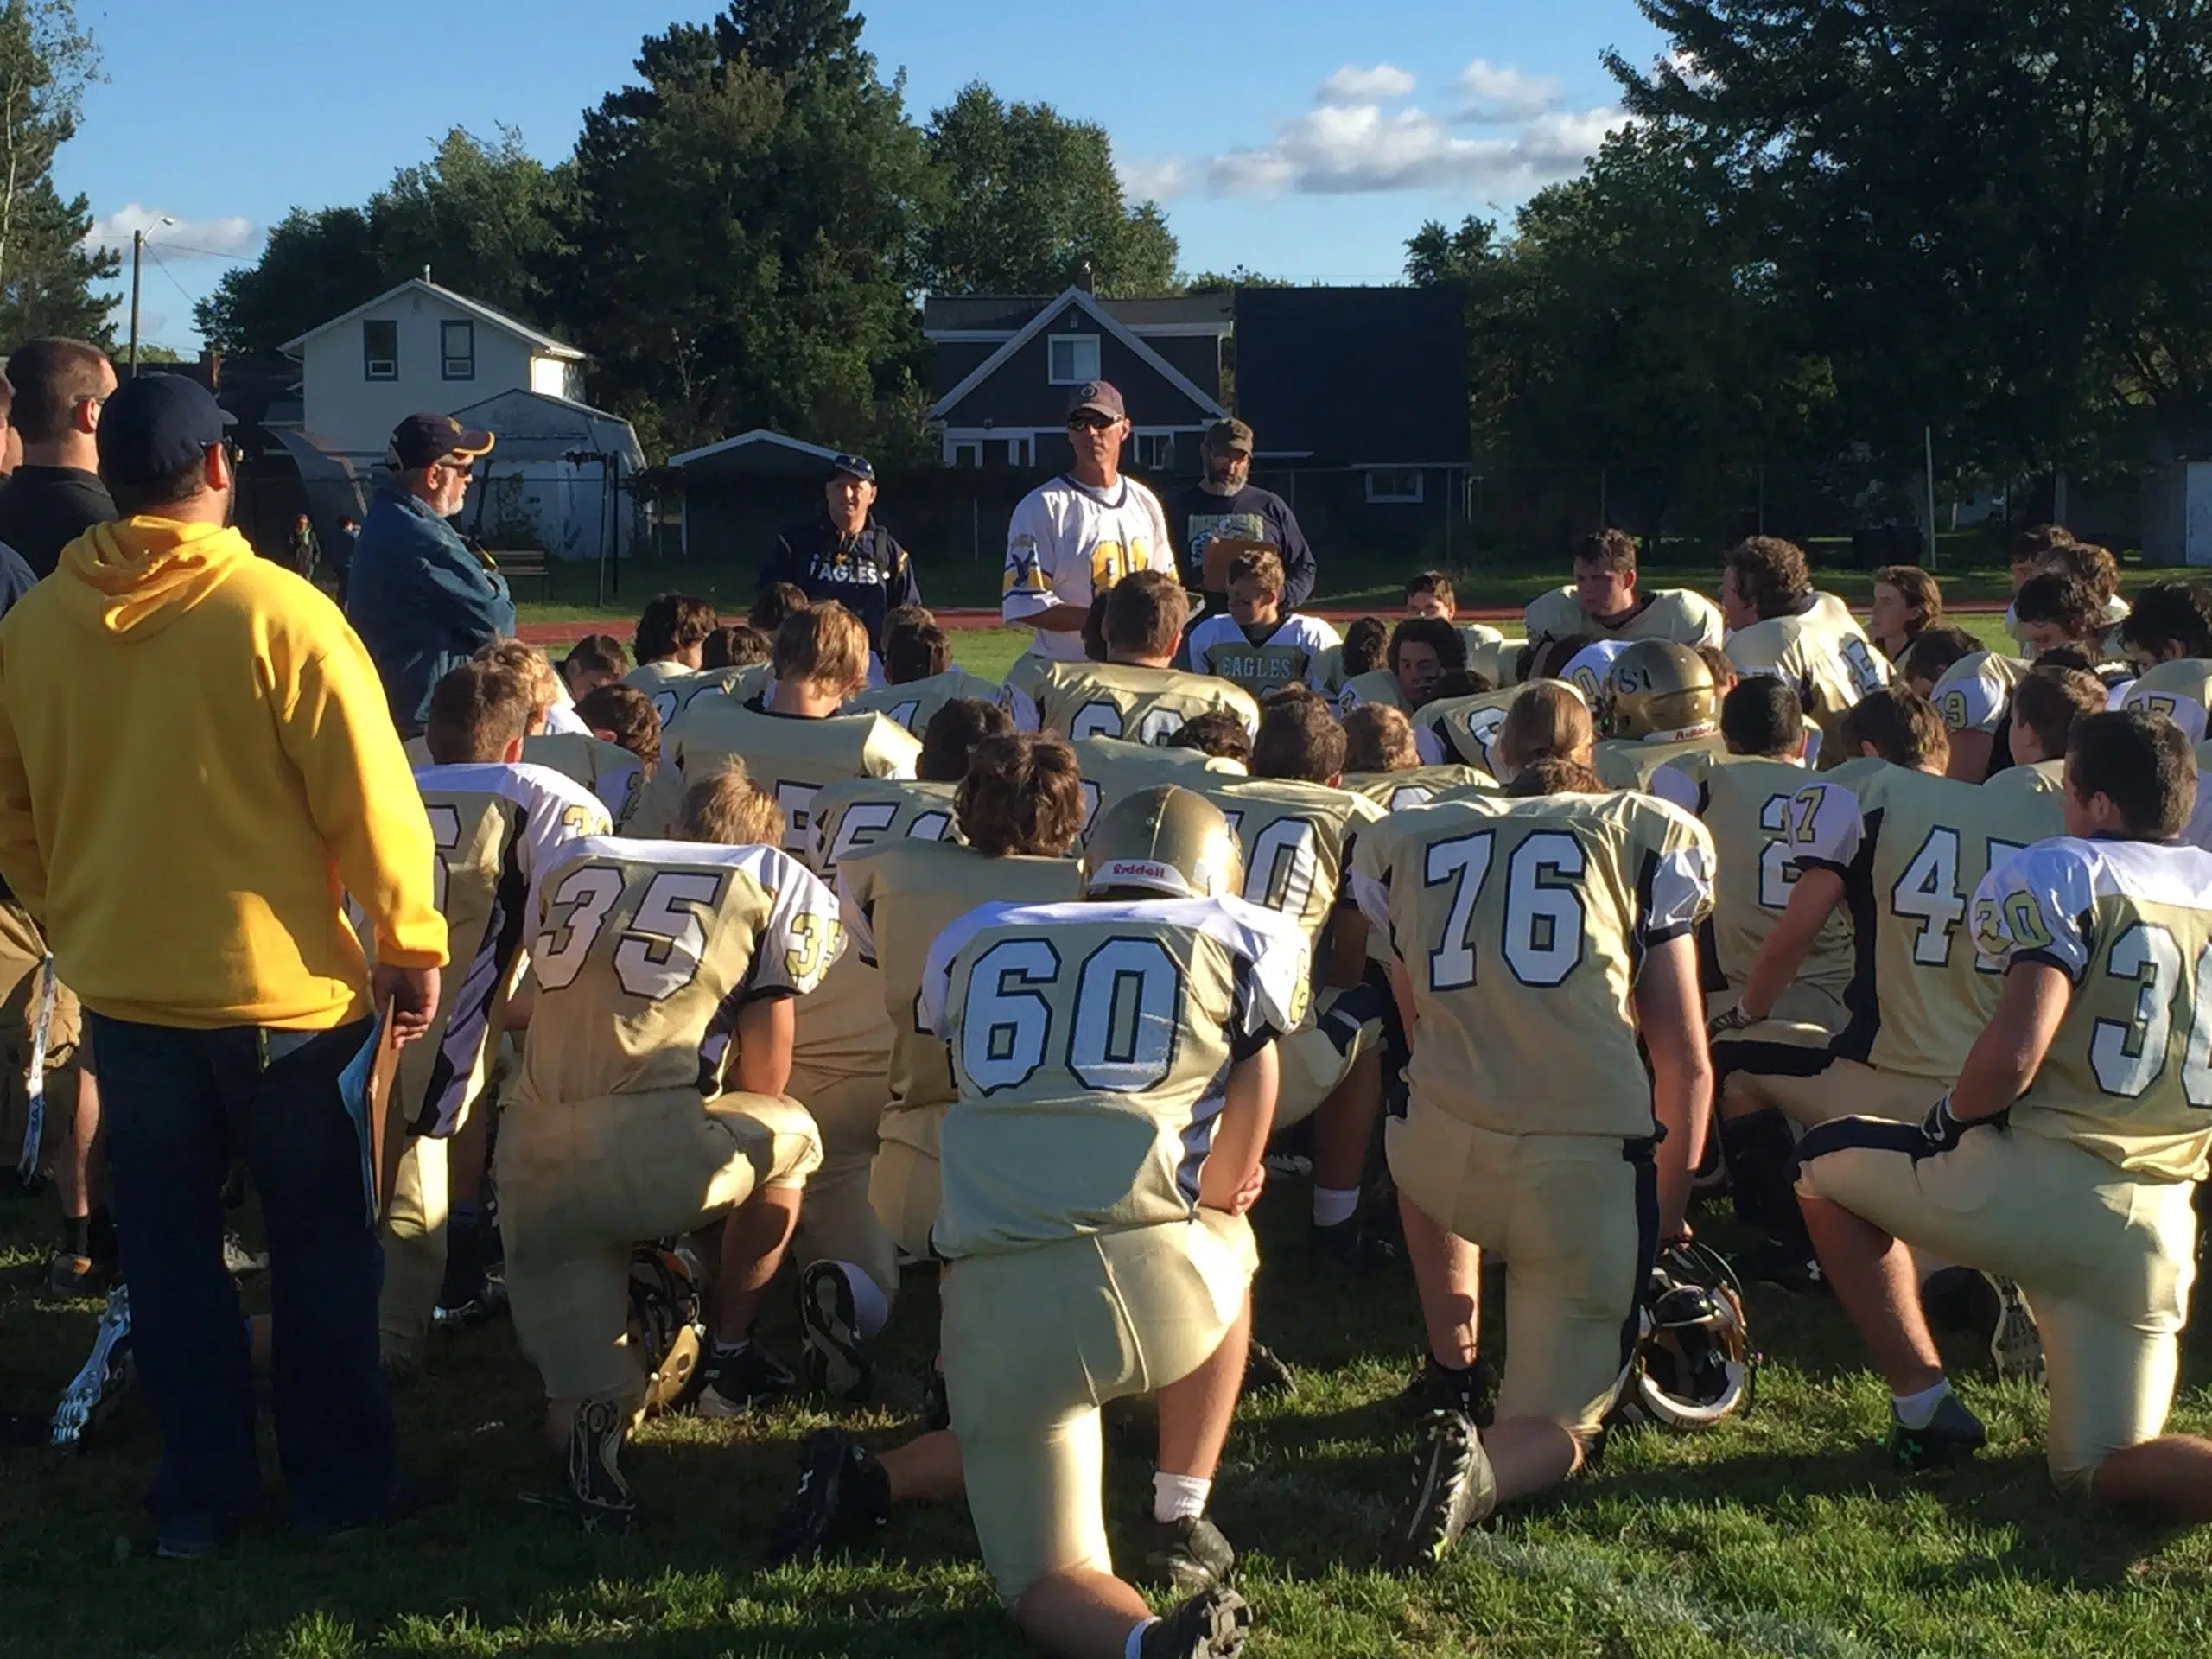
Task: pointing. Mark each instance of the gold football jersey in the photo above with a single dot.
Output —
(2181, 690)
(1144, 705)
(910, 706)
(1090, 1043)
(1674, 614)
(897, 898)
(1521, 924)
(494, 827)
(1746, 801)
(857, 813)
(672, 693)
(788, 756)
(1975, 693)
(1376, 685)
(2129, 1074)
(1628, 762)
(1911, 848)
(1112, 767)
(1820, 654)
(2045, 777)
(1468, 726)
(1295, 838)
(1415, 785)
(1287, 652)
(607, 770)
(644, 951)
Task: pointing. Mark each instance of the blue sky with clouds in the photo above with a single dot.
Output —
(1306, 138)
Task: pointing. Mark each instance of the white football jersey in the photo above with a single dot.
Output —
(1067, 540)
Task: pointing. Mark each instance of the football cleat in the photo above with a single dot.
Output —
(239, 1262)
(1211, 1625)
(1350, 1247)
(737, 1383)
(1187, 1556)
(835, 1361)
(1267, 1372)
(595, 1494)
(93, 1394)
(1952, 1433)
(843, 1494)
(469, 1308)
(1470, 1390)
(1453, 1487)
(69, 1275)
(1990, 1309)
(2016, 1345)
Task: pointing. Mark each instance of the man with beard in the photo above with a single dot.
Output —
(1224, 504)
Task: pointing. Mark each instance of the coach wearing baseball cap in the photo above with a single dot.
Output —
(421, 599)
(1224, 504)
(195, 765)
(843, 554)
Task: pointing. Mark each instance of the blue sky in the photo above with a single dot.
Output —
(1304, 138)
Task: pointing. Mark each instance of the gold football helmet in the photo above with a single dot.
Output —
(1164, 840)
(1659, 686)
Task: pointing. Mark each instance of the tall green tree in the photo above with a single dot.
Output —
(46, 268)
(741, 230)
(485, 218)
(1993, 217)
(1025, 198)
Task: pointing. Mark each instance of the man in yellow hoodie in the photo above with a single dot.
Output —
(196, 764)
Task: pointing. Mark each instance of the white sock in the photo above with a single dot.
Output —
(1918, 1410)
(1332, 1205)
(1179, 1498)
(871, 1307)
(1133, 1648)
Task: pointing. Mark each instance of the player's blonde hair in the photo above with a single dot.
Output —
(1379, 739)
(825, 644)
(1549, 719)
(1554, 774)
(536, 672)
(731, 810)
(1023, 793)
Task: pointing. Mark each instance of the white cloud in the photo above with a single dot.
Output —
(1352, 84)
(1152, 181)
(225, 238)
(1342, 150)
(1499, 93)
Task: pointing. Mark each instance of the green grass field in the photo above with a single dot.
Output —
(1781, 1532)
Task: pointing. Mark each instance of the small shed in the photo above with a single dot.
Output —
(558, 476)
(741, 492)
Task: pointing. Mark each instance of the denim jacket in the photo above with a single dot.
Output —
(421, 599)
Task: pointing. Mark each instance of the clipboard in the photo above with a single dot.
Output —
(1221, 550)
(384, 1144)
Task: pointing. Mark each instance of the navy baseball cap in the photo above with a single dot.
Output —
(852, 466)
(421, 439)
(153, 425)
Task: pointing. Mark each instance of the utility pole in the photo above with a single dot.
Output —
(137, 249)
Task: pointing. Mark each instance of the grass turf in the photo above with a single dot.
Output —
(1781, 1532)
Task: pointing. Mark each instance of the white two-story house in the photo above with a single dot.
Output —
(557, 474)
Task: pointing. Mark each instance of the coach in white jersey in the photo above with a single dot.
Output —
(1082, 532)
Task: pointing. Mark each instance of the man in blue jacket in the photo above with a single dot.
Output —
(421, 599)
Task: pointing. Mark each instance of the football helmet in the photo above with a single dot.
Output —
(1694, 1363)
(1656, 685)
(1164, 840)
(666, 1326)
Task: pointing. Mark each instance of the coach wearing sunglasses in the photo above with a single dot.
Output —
(1082, 532)
(420, 598)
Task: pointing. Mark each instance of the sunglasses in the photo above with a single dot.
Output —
(1089, 423)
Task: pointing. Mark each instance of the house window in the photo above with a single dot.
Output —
(1074, 359)
(457, 350)
(968, 454)
(1155, 451)
(1394, 484)
(380, 350)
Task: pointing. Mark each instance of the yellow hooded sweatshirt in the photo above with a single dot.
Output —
(196, 762)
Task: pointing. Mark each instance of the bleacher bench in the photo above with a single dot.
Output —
(526, 564)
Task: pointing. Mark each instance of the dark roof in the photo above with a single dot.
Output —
(1354, 374)
(1009, 313)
